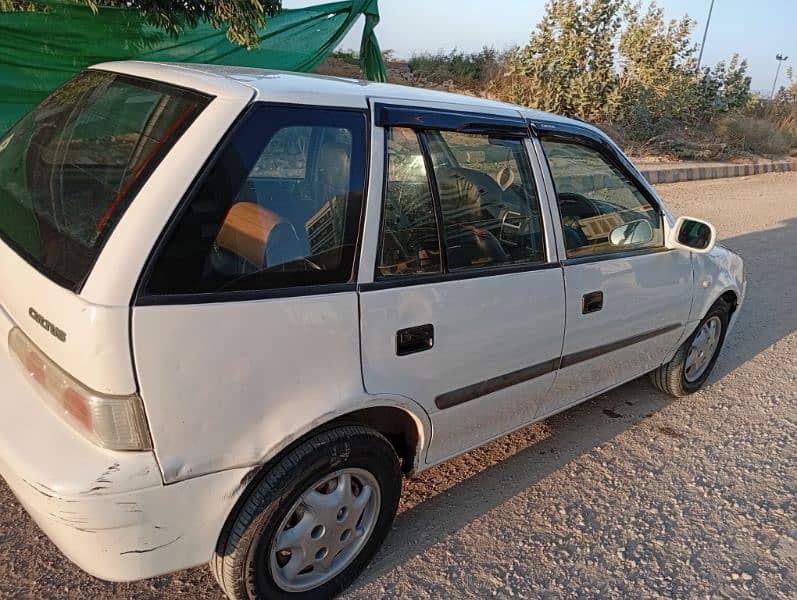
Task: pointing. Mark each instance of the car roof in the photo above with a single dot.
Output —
(319, 90)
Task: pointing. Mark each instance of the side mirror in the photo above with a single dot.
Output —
(693, 235)
(634, 233)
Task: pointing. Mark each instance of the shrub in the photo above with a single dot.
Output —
(462, 68)
(347, 56)
(610, 61)
(751, 134)
(568, 65)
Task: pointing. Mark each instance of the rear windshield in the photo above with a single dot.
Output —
(70, 168)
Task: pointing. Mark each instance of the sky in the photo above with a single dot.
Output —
(757, 30)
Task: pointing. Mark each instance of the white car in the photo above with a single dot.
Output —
(237, 305)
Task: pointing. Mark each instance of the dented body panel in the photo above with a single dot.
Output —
(109, 512)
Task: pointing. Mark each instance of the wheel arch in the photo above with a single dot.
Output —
(730, 295)
(731, 298)
(406, 426)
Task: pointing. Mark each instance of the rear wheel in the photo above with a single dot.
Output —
(692, 364)
(313, 521)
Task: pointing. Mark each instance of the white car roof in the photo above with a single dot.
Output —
(318, 90)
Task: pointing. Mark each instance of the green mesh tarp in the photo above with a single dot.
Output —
(41, 50)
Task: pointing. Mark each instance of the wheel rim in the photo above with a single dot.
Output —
(704, 346)
(325, 530)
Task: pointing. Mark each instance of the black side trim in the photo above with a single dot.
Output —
(390, 115)
(246, 295)
(430, 278)
(495, 384)
(576, 357)
(488, 386)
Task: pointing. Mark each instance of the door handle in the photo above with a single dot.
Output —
(414, 339)
(591, 302)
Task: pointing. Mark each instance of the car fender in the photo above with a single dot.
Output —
(715, 274)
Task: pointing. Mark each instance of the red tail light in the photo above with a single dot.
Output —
(113, 422)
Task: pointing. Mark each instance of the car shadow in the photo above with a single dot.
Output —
(448, 497)
(769, 313)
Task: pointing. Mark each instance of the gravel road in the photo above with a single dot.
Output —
(631, 494)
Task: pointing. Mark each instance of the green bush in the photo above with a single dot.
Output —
(347, 56)
(463, 68)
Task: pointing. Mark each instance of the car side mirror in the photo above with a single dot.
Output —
(634, 233)
(693, 235)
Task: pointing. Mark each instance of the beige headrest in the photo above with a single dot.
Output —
(246, 230)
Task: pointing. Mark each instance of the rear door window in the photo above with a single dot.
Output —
(279, 208)
(410, 240)
(488, 200)
(70, 168)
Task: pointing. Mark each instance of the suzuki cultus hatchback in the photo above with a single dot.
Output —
(237, 305)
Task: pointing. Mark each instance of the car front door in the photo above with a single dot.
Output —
(462, 304)
(628, 296)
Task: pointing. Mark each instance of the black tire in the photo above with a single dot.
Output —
(241, 564)
(670, 377)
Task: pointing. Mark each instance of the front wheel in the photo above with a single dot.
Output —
(692, 364)
(314, 520)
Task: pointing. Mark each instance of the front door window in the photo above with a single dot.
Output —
(596, 200)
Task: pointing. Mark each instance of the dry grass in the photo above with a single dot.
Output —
(750, 134)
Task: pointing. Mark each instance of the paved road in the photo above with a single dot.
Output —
(631, 494)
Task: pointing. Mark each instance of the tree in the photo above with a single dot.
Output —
(659, 70)
(568, 65)
(736, 85)
(610, 60)
(241, 17)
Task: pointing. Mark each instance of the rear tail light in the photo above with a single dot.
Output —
(112, 422)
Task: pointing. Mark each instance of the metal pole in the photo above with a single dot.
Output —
(705, 32)
(781, 59)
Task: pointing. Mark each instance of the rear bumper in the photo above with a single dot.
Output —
(108, 512)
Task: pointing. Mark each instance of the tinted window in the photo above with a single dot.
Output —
(279, 208)
(410, 243)
(596, 197)
(70, 168)
(488, 199)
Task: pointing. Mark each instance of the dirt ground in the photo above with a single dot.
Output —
(632, 494)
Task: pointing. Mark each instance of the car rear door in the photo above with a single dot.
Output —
(627, 304)
(461, 295)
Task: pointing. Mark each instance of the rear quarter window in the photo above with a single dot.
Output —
(279, 207)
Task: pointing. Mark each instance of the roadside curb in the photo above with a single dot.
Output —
(676, 174)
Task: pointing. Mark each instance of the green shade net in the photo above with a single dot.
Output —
(41, 50)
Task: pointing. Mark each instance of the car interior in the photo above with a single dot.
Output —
(284, 217)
